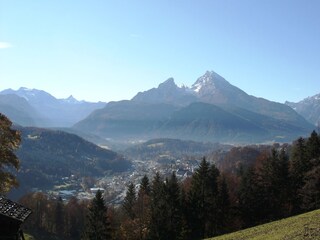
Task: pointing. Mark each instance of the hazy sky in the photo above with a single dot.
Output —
(109, 50)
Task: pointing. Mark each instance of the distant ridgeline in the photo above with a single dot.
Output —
(32, 107)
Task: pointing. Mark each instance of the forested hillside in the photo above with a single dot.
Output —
(49, 155)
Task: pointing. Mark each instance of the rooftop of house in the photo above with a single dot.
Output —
(13, 210)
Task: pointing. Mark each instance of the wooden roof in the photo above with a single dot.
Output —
(13, 210)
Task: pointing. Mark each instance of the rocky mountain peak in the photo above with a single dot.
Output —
(168, 84)
(71, 99)
(167, 92)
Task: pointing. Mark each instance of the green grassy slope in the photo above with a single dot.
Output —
(304, 226)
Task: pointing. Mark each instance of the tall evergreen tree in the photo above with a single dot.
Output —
(313, 146)
(300, 164)
(284, 183)
(158, 209)
(274, 181)
(174, 215)
(184, 205)
(223, 206)
(143, 207)
(98, 225)
(130, 201)
(145, 185)
(213, 223)
(202, 201)
(251, 199)
(198, 200)
(310, 192)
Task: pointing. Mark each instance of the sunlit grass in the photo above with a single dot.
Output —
(304, 226)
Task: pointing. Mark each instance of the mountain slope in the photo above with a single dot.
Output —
(52, 112)
(18, 110)
(126, 119)
(64, 153)
(47, 155)
(309, 108)
(209, 122)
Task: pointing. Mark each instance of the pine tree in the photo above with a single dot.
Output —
(174, 215)
(143, 207)
(223, 206)
(251, 199)
(300, 164)
(130, 201)
(213, 223)
(145, 185)
(313, 146)
(98, 225)
(184, 205)
(158, 209)
(202, 201)
(274, 181)
(310, 192)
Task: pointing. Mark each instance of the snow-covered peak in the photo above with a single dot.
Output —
(208, 80)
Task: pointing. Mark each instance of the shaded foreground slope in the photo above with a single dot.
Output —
(304, 226)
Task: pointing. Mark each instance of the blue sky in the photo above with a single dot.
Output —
(109, 50)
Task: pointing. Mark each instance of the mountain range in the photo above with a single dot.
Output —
(32, 107)
(210, 110)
